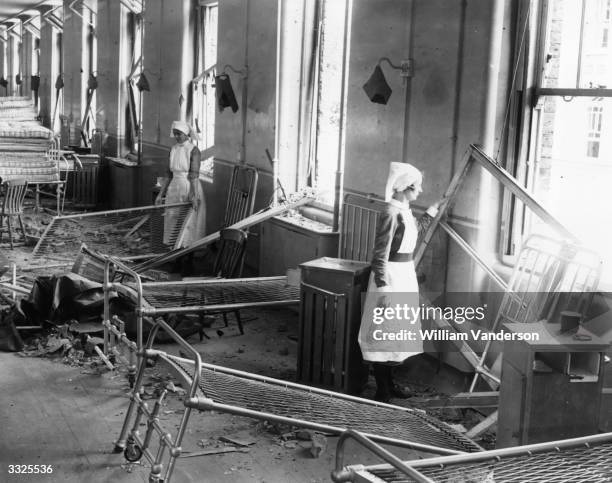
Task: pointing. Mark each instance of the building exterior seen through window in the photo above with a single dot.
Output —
(572, 158)
(204, 96)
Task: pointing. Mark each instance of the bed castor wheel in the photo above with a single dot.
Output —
(132, 452)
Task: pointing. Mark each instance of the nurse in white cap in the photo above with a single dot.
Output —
(183, 184)
(393, 277)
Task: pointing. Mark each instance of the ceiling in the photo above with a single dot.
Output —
(10, 8)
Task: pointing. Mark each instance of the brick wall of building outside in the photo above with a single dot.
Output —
(549, 107)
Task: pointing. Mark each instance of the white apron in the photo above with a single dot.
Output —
(402, 288)
(178, 191)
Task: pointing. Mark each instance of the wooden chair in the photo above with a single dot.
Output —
(241, 195)
(230, 257)
(229, 263)
(14, 192)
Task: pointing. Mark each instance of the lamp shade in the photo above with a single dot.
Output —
(143, 83)
(377, 88)
(59, 82)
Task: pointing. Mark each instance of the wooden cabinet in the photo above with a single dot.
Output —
(551, 388)
(285, 243)
(330, 315)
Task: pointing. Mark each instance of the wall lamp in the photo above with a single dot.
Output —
(377, 88)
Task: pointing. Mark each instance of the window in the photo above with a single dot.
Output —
(57, 69)
(3, 56)
(570, 157)
(134, 94)
(204, 96)
(91, 68)
(15, 61)
(322, 169)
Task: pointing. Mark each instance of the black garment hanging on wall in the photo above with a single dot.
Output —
(225, 93)
(34, 85)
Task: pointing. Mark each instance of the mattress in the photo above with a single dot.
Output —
(18, 113)
(36, 167)
(24, 145)
(15, 101)
(10, 129)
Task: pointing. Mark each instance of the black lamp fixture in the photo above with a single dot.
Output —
(377, 88)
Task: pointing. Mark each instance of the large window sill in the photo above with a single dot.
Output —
(318, 212)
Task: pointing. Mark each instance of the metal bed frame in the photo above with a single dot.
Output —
(566, 265)
(241, 393)
(549, 276)
(584, 459)
(112, 230)
(195, 296)
(48, 150)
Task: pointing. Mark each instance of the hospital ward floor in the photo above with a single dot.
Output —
(66, 414)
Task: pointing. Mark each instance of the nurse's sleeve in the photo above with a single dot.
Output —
(385, 228)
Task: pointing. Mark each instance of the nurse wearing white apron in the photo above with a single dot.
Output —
(393, 277)
(183, 184)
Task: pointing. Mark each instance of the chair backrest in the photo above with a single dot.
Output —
(90, 264)
(14, 193)
(228, 263)
(241, 196)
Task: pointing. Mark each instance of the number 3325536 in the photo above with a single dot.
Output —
(30, 469)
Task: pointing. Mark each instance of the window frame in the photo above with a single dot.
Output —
(204, 105)
(531, 118)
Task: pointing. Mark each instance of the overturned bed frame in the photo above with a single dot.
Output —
(236, 392)
(128, 233)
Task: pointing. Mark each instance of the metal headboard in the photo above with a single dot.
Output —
(358, 228)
